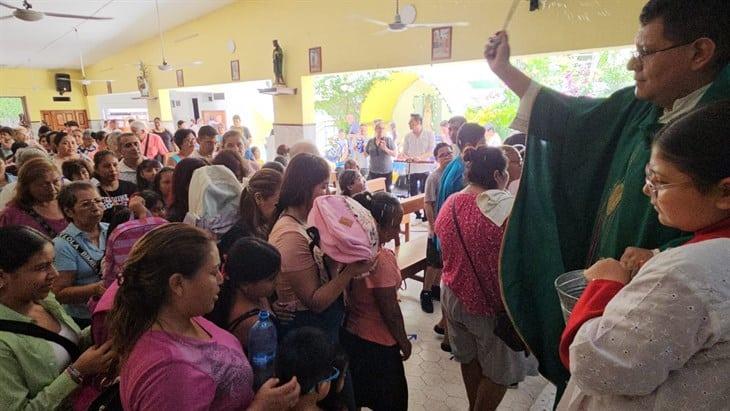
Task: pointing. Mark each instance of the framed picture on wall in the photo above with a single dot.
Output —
(441, 43)
(315, 60)
(180, 78)
(235, 71)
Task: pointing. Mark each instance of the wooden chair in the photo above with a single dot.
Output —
(375, 185)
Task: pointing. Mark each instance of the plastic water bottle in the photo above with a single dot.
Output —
(262, 341)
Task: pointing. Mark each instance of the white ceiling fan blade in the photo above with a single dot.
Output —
(431, 25)
(9, 16)
(373, 21)
(188, 37)
(88, 81)
(76, 16)
(10, 6)
(183, 65)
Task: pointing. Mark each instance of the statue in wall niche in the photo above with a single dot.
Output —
(278, 59)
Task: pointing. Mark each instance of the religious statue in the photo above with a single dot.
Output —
(278, 60)
(142, 84)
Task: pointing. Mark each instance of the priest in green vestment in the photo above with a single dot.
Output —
(580, 197)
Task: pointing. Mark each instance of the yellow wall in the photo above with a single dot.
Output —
(349, 44)
(383, 96)
(39, 88)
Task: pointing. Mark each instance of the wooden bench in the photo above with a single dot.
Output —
(411, 258)
(410, 205)
(375, 185)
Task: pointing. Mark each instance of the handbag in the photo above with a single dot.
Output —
(110, 399)
(503, 327)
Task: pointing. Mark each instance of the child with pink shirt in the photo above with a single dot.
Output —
(374, 335)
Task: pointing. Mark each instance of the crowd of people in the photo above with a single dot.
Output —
(132, 277)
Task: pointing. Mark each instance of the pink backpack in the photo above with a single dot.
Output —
(347, 230)
(120, 243)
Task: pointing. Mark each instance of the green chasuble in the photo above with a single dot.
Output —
(580, 199)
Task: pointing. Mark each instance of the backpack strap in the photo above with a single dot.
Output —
(312, 236)
(241, 318)
(95, 265)
(32, 330)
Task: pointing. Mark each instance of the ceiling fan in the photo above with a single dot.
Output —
(85, 81)
(28, 14)
(165, 66)
(405, 18)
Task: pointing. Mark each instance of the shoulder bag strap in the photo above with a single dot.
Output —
(95, 265)
(30, 329)
(42, 221)
(146, 145)
(463, 245)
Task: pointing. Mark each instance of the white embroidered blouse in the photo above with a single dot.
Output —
(663, 342)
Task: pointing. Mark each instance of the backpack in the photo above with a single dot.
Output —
(347, 230)
(120, 243)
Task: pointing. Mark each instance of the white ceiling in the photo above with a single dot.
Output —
(51, 42)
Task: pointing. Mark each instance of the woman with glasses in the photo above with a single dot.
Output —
(169, 356)
(79, 250)
(185, 140)
(657, 338)
(35, 205)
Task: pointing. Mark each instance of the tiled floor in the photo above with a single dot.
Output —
(434, 379)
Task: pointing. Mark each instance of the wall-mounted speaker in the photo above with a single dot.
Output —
(63, 83)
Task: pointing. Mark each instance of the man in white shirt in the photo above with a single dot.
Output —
(418, 147)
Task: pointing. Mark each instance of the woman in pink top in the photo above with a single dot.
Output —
(170, 357)
(470, 289)
(35, 202)
(374, 335)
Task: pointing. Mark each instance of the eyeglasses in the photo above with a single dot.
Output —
(335, 375)
(642, 54)
(654, 188)
(90, 204)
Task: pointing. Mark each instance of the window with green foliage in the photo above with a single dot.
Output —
(593, 74)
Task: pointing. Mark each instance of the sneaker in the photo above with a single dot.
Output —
(426, 302)
(445, 347)
(439, 329)
(436, 293)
